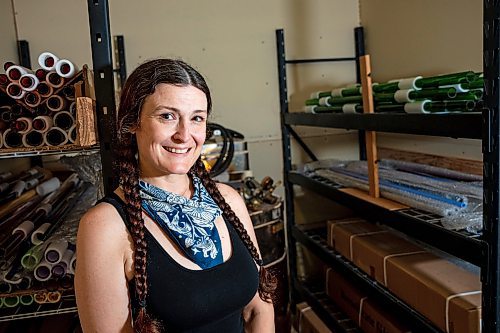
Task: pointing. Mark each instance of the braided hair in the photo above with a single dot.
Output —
(140, 84)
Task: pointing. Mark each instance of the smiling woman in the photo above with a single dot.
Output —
(181, 253)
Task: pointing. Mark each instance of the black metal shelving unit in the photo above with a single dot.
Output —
(482, 251)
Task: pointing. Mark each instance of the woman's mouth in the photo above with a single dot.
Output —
(177, 150)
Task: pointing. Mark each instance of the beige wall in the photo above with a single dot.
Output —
(425, 37)
(232, 42)
(8, 51)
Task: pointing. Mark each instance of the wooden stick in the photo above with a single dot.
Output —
(370, 136)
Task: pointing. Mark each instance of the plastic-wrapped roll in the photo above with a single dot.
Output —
(29, 81)
(60, 269)
(64, 120)
(55, 137)
(40, 297)
(41, 74)
(54, 80)
(36, 236)
(15, 72)
(47, 61)
(16, 110)
(72, 109)
(54, 296)
(56, 103)
(32, 99)
(15, 91)
(48, 186)
(42, 123)
(24, 283)
(55, 251)
(23, 125)
(72, 264)
(43, 271)
(4, 80)
(7, 64)
(72, 134)
(12, 139)
(32, 139)
(69, 92)
(26, 299)
(44, 89)
(33, 256)
(66, 68)
(11, 301)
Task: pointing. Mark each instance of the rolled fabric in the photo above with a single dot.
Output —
(23, 125)
(4, 80)
(36, 236)
(48, 186)
(15, 91)
(55, 251)
(5, 288)
(34, 255)
(55, 137)
(72, 109)
(72, 266)
(32, 139)
(7, 64)
(54, 80)
(40, 297)
(43, 271)
(12, 139)
(69, 92)
(47, 61)
(64, 120)
(32, 99)
(72, 134)
(5, 175)
(16, 110)
(15, 72)
(41, 74)
(26, 299)
(56, 103)
(11, 301)
(44, 89)
(54, 296)
(42, 123)
(24, 283)
(29, 81)
(60, 269)
(66, 68)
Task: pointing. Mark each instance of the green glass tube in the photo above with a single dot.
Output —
(452, 106)
(34, 255)
(385, 87)
(11, 301)
(478, 84)
(354, 91)
(440, 93)
(389, 107)
(345, 100)
(446, 79)
(26, 299)
(312, 101)
(327, 109)
(472, 95)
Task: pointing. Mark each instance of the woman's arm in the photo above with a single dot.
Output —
(100, 279)
(258, 314)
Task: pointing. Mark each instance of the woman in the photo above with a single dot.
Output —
(170, 249)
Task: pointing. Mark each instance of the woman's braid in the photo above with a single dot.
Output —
(267, 282)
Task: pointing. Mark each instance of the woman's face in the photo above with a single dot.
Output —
(171, 130)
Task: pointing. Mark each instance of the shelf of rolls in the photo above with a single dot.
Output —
(446, 93)
(47, 110)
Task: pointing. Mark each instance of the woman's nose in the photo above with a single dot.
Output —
(181, 132)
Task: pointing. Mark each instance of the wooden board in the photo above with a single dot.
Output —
(85, 119)
(385, 203)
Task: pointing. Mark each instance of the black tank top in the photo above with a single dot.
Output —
(200, 301)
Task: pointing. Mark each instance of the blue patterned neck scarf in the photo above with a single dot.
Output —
(189, 222)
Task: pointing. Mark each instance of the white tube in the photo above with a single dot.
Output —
(48, 186)
(32, 139)
(337, 92)
(38, 234)
(55, 137)
(18, 188)
(55, 103)
(408, 83)
(54, 80)
(64, 120)
(25, 228)
(23, 124)
(32, 99)
(12, 139)
(15, 91)
(15, 72)
(324, 101)
(403, 96)
(55, 251)
(43, 271)
(72, 134)
(66, 68)
(47, 61)
(416, 107)
(349, 108)
(42, 123)
(29, 81)
(309, 108)
(314, 95)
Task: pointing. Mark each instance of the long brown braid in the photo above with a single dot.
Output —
(267, 281)
(139, 85)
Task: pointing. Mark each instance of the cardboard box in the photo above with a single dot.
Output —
(309, 322)
(443, 292)
(369, 316)
(371, 253)
(341, 234)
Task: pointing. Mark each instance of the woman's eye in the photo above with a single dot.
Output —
(167, 116)
(199, 119)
